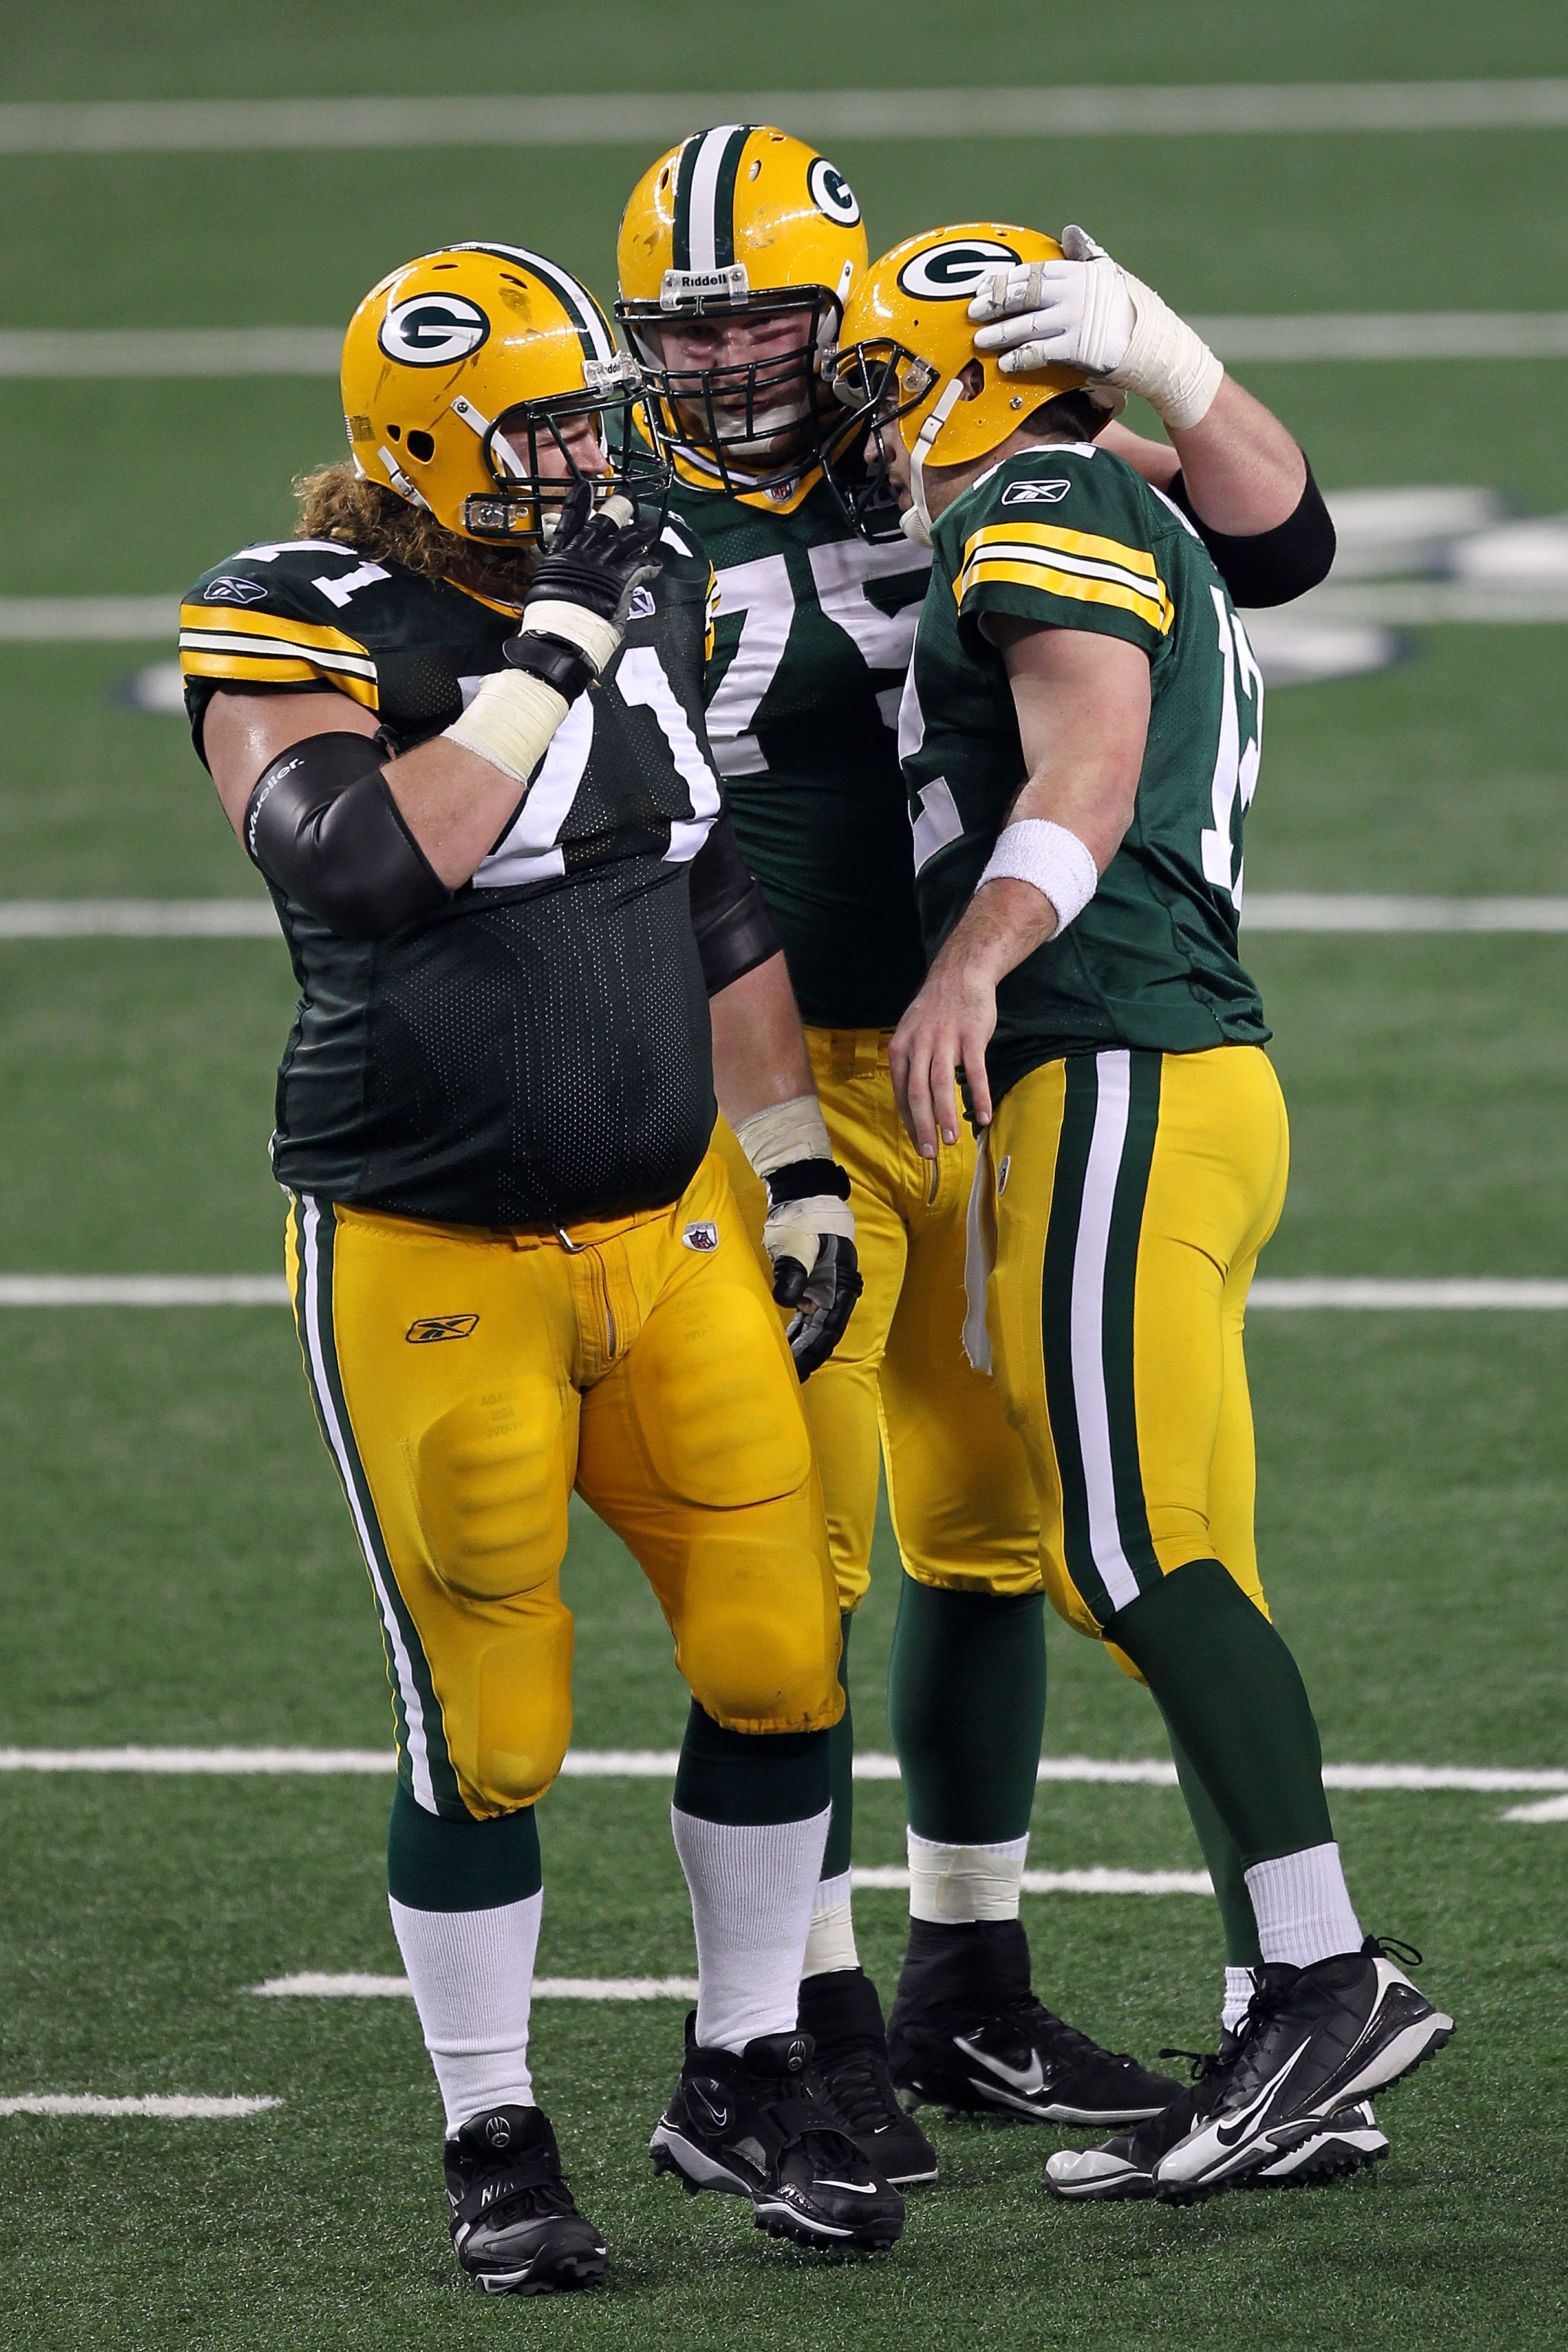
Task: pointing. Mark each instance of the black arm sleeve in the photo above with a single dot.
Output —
(323, 826)
(734, 930)
(1275, 566)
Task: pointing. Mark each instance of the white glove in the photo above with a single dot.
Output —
(1086, 312)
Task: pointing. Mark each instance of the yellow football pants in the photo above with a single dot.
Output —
(466, 1382)
(1133, 1193)
(958, 1487)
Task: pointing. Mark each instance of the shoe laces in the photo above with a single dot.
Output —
(1038, 2023)
(860, 2089)
(1201, 2063)
(536, 2189)
(1390, 1947)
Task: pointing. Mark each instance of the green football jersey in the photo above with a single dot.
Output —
(812, 646)
(539, 1050)
(1070, 536)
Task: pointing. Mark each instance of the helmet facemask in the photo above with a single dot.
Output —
(877, 383)
(751, 425)
(533, 459)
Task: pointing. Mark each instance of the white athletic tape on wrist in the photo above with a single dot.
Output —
(591, 633)
(510, 722)
(956, 1885)
(1167, 361)
(773, 1139)
(1051, 858)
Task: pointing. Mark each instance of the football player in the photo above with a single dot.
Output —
(457, 724)
(1081, 732)
(737, 253)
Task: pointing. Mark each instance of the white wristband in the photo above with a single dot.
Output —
(591, 633)
(510, 722)
(1052, 859)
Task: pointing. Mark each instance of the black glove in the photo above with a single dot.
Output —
(576, 606)
(806, 1205)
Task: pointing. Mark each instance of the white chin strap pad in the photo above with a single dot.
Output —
(925, 441)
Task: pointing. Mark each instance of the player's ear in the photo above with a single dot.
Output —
(972, 376)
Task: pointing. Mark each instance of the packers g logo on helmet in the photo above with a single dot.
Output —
(950, 273)
(831, 193)
(433, 329)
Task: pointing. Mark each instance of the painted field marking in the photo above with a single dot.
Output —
(137, 918)
(659, 1764)
(597, 118)
(178, 2110)
(1551, 1808)
(87, 620)
(52, 354)
(1073, 1881)
(1352, 1293)
(312, 1986)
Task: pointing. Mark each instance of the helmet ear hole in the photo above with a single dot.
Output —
(421, 445)
(395, 431)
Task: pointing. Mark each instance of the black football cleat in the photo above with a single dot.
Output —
(1125, 2167)
(1317, 2041)
(842, 2015)
(966, 2033)
(515, 2228)
(756, 2126)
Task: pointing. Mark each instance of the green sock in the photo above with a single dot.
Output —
(436, 1865)
(1219, 1851)
(748, 1778)
(1233, 1697)
(965, 1705)
(841, 1771)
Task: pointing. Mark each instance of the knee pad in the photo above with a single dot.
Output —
(522, 1713)
(717, 1403)
(491, 1482)
(758, 1635)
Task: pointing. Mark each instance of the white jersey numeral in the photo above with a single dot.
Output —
(761, 594)
(1235, 762)
(886, 639)
(530, 851)
(338, 591)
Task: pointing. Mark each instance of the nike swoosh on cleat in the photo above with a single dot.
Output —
(1228, 2133)
(1028, 2079)
(851, 2187)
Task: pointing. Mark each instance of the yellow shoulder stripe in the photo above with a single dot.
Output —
(246, 621)
(274, 670)
(1064, 542)
(1153, 607)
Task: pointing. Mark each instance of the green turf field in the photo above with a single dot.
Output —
(176, 1565)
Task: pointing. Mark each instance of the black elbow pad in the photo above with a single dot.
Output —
(1273, 567)
(729, 914)
(322, 826)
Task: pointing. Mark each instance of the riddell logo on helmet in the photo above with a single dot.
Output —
(950, 273)
(433, 329)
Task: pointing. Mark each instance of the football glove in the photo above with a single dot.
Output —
(1086, 312)
(582, 589)
(809, 1231)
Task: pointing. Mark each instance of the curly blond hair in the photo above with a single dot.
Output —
(337, 503)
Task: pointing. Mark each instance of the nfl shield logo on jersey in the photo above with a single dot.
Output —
(703, 1236)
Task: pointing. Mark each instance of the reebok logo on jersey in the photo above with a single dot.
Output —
(228, 591)
(430, 1327)
(641, 608)
(703, 1236)
(1034, 494)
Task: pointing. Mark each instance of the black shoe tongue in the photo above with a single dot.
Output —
(781, 2054)
(503, 2133)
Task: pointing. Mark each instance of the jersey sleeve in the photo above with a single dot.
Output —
(270, 620)
(1061, 538)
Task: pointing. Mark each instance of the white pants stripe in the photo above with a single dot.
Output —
(1113, 1071)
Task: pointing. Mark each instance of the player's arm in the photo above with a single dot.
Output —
(1082, 704)
(368, 844)
(1230, 464)
(762, 1078)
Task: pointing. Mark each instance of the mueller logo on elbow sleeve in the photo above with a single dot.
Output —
(431, 1328)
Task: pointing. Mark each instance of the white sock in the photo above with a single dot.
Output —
(957, 1884)
(1303, 1908)
(831, 1945)
(473, 1979)
(751, 1889)
(1240, 1984)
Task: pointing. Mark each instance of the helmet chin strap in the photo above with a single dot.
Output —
(917, 524)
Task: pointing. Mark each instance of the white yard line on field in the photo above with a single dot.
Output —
(660, 1763)
(1073, 1881)
(1550, 1809)
(185, 126)
(50, 354)
(1263, 911)
(177, 2110)
(1350, 1293)
(311, 1985)
(87, 620)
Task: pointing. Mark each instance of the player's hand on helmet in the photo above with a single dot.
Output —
(1077, 312)
(1086, 312)
(809, 1231)
(582, 586)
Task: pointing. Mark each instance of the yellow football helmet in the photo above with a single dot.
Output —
(907, 361)
(455, 356)
(742, 224)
